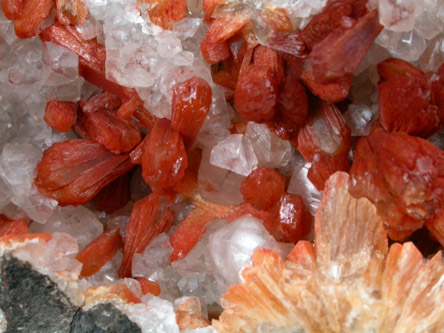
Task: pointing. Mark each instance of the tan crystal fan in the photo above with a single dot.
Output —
(348, 282)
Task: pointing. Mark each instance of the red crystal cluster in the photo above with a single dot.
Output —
(290, 84)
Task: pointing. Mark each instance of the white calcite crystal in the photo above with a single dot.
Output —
(433, 56)
(218, 185)
(79, 222)
(60, 65)
(301, 8)
(8, 119)
(153, 259)
(225, 249)
(407, 45)
(360, 118)
(235, 154)
(271, 151)
(142, 56)
(300, 184)
(108, 274)
(231, 247)
(399, 15)
(155, 316)
(17, 165)
(176, 280)
(153, 264)
(21, 68)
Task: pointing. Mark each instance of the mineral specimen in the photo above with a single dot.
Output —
(168, 165)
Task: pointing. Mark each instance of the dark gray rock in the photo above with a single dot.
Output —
(31, 302)
(103, 318)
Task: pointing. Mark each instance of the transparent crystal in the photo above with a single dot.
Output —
(215, 127)
(5, 195)
(405, 45)
(360, 118)
(428, 25)
(231, 247)
(433, 56)
(60, 65)
(108, 274)
(235, 153)
(21, 69)
(197, 260)
(7, 33)
(270, 151)
(97, 8)
(218, 185)
(70, 92)
(398, 15)
(8, 118)
(79, 222)
(62, 249)
(17, 165)
(90, 29)
(300, 184)
(156, 255)
(157, 316)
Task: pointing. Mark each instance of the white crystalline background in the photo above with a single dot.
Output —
(79, 222)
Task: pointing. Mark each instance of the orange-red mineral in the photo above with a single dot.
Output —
(102, 101)
(405, 100)
(149, 218)
(100, 251)
(191, 103)
(323, 23)
(74, 171)
(115, 195)
(165, 12)
(325, 141)
(402, 175)
(33, 15)
(14, 228)
(164, 158)
(71, 11)
(256, 91)
(60, 115)
(286, 219)
(340, 53)
(12, 9)
(263, 188)
(119, 136)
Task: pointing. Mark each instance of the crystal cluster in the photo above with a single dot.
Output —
(240, 161)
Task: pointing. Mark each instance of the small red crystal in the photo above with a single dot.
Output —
(164, 158)
(100, 251)
(263, 188)
(191, 103)
(60, 115)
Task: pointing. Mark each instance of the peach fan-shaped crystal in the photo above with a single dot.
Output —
(348, 282)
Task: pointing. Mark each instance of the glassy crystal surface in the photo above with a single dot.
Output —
(235, 154)
(17, 164)
(300, 184)
(79, 222)
(360, 118)
(218, 185)
(398, 15)
(271, 151)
